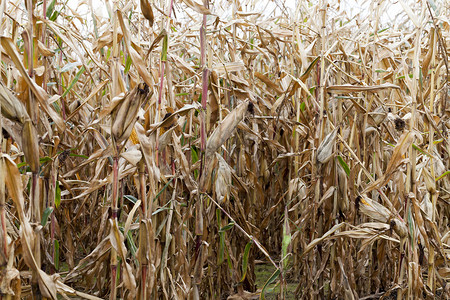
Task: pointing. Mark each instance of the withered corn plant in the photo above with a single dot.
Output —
(168, 149)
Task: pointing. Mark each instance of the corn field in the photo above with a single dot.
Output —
(162, 149)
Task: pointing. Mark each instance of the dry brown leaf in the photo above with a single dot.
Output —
(148, 151)
(133, 156)
(348, 88)
(222, 69)
(316, 241)
(117, 242)
(7, 275)
(41, 95)
(200, 8)
(137, 60)
(396, 160)
(269, 83)
(44, 50)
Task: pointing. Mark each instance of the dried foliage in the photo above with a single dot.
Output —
(160, 149)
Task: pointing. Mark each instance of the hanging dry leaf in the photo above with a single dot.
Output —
(137, 60)
(348, 88)
(133, 156)
(41, 95)
(396, 160)
(200, 8)
(117, 242)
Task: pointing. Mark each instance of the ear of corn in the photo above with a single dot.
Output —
(125, 114)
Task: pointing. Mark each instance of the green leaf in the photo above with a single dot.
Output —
(108, 53)
(302, 106)
(443, 175)
(269, 281)
(131, 243)
(131, 198)
(45, 215)
(344, 165)
(227, 227)
(380, 31)
(194, 159)
(420, 150)
(165, 47)
(221, 248)
(57, 195)
(22, 164)
(245, 260)
(54, 16)
(310, 67)
(194, 154)
(69, 66)
(163, 189)
(44, 159)
(78, 155)
(285, 244)
(160, 210)
(127, 64)
(73, 81)
(50, 9)
(56, 254)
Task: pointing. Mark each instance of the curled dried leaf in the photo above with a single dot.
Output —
(44, 50)
(41, 94)
(297, 189)
(430, 182)
(403, 144)
(200, 8)
(7, 276)
(343, 202)
(117, 242)
(133, 156)
(378, 115)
